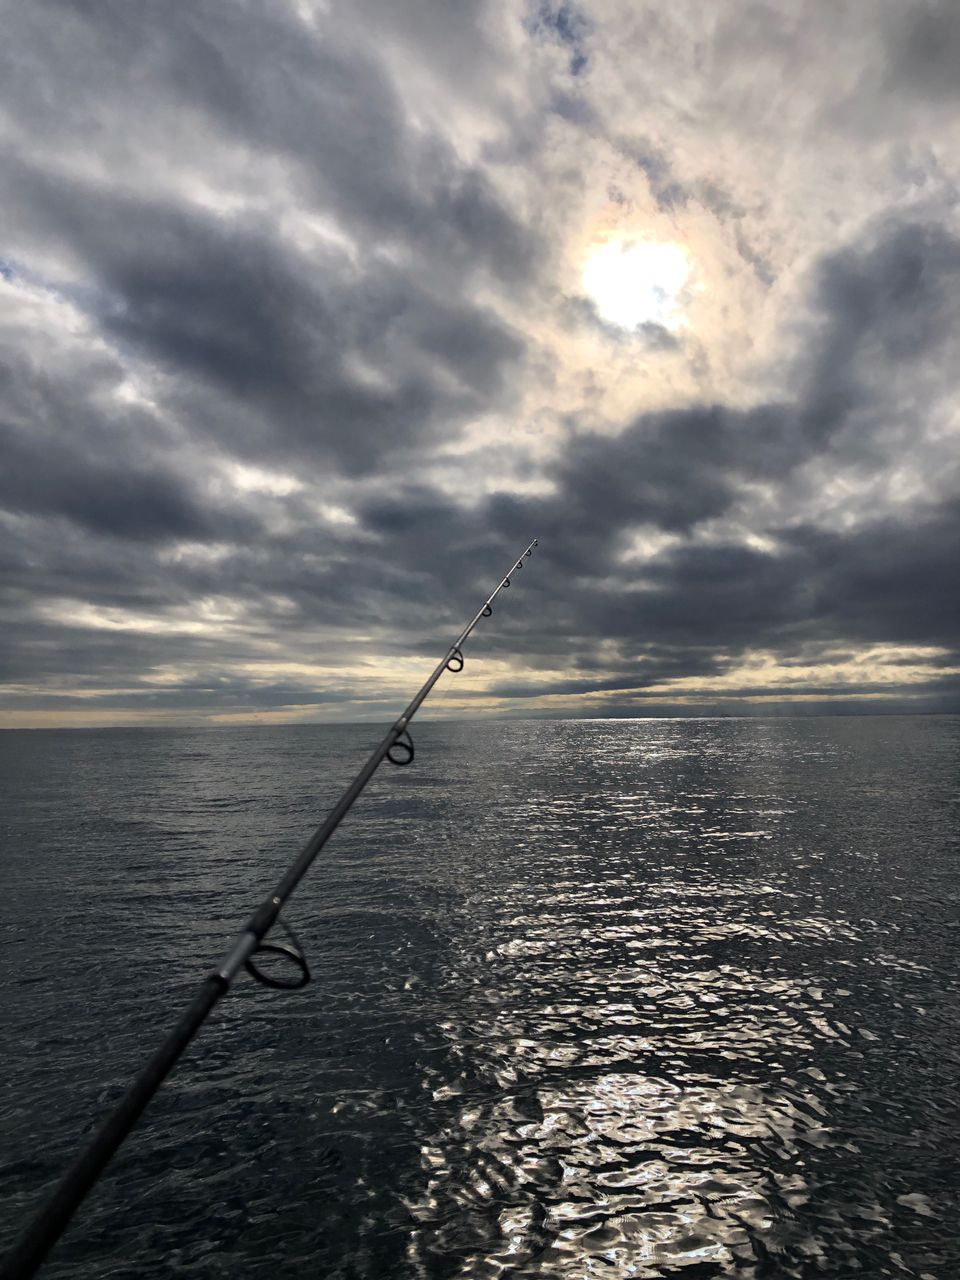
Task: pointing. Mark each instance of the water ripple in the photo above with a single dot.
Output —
(686, 1006)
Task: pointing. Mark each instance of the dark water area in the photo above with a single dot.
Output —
(591, 999)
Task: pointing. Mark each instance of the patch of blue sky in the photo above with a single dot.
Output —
(564, 22)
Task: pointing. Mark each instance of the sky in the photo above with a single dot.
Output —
(314, 314)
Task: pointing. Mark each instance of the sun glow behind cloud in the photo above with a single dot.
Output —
(635, 282)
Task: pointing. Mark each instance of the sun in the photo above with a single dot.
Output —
(635, 282)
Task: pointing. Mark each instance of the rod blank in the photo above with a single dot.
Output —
(43, 1232)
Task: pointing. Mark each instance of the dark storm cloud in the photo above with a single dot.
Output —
(233, 309)
(896, 581)
(888, 305)
(889, 583)
(102, 495)
(253, 75)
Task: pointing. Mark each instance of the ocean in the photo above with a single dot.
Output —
(650, 998)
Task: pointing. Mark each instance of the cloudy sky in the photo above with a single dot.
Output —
(313, 314)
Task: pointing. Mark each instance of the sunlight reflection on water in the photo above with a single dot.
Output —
(685, 1006)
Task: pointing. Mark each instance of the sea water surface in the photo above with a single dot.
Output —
(590, 999)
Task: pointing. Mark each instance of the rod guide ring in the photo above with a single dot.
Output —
(280, 949)
(291, 950)
(403, 743)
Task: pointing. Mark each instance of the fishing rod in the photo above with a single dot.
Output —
(43, 1232)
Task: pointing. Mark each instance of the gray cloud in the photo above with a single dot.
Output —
(924, 48)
